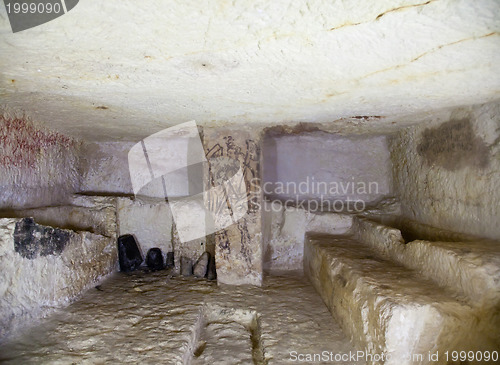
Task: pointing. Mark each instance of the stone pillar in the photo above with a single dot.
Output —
(238, 247)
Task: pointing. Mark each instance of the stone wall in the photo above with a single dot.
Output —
(104, 168)
(44, 267)
(150, 223)
(284, 230)
(332, 169)
(447, 170)
(38, 167)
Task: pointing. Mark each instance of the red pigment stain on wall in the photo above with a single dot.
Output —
(22, 144)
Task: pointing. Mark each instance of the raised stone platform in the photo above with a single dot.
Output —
(95, 214)
(388, 309)
(44, 267)
(470, 269)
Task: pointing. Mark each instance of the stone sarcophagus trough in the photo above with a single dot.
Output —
(403, 303)
(44, 267)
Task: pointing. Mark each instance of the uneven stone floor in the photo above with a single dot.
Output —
(154, 318)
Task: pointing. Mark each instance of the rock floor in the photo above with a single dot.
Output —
(152, 318)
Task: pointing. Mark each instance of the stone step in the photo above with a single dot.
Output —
(469, 269)
(387, 309)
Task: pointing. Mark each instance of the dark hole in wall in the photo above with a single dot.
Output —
(453, 145)
(32, 240)
(410, 235)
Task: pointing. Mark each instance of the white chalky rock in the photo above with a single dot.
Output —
(200, 267)
(387, 309)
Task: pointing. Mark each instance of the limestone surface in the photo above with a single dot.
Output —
(238, 247)
(151, 318)
(33, 284)
(446, 170)
(284, 230)
(470, 268)
(249, 62)
(388, 309)
(201, 265)
(186, 266)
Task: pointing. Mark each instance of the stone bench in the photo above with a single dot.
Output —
(44, 267)
(470, 269)
(95, 214)
(388, 309)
